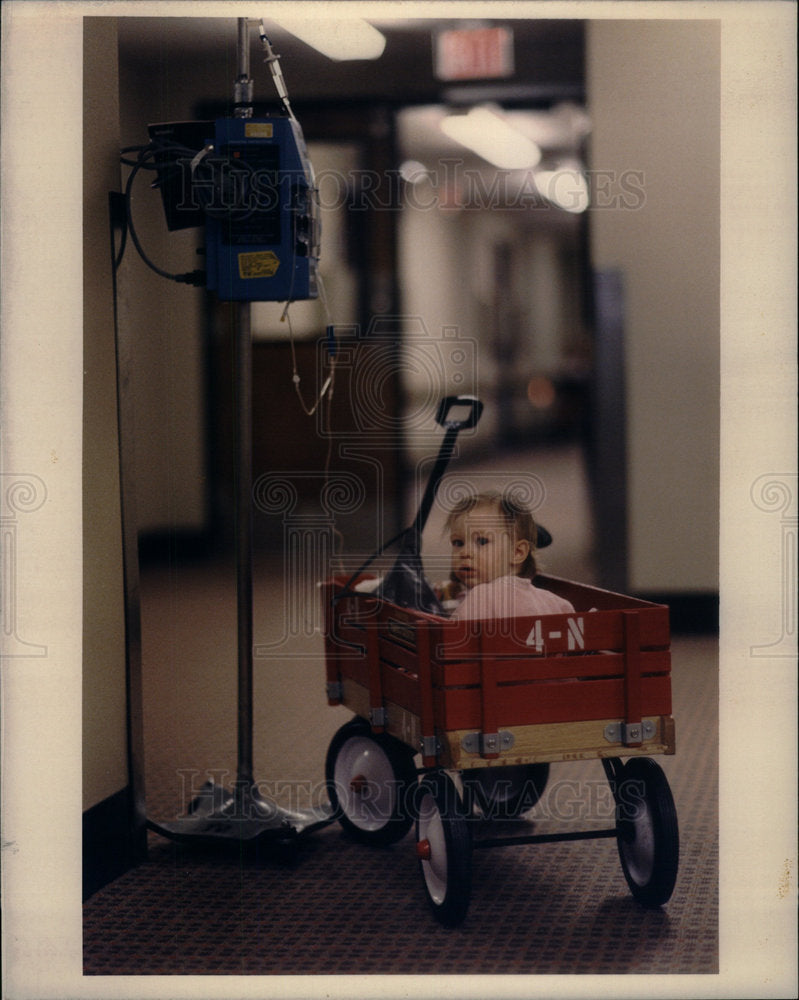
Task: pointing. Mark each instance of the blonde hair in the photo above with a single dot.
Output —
(518, 520)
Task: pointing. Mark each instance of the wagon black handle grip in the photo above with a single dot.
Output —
(459, 413)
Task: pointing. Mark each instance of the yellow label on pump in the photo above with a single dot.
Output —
(258, 264)
(258, 130)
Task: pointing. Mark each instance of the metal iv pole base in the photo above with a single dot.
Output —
(219, 817)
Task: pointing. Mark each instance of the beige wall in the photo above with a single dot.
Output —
(654, 91)
(164, 319)
(104, 709)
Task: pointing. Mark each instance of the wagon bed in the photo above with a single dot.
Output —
(465, 694)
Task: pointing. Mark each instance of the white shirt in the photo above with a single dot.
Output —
(510, 597)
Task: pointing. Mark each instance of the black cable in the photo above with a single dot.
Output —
(225, 189)
(196, 278)
(135, 149)
(118, 216)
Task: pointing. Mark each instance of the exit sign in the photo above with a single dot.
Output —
(474, 53)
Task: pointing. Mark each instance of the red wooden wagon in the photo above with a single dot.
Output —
(460, 720)
(498, 702)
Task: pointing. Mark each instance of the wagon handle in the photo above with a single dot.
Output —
(450, 416)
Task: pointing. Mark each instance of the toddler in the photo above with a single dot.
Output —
(492, 537)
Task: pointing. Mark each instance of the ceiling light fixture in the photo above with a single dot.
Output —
(488, 134)
(413, 172)
(340, 40)
(565, 186)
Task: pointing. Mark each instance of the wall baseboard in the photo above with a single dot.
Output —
(689, 614)
(111, 846)
(169, 546)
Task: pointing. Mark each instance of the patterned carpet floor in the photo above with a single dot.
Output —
(340, 908)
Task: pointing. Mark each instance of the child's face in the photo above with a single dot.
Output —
(483, 548)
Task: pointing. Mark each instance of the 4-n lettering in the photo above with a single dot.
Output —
(575, 635)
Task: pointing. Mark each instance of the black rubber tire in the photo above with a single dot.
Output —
(371, 778)
(505, 792)
(647, 831)
(444, 848)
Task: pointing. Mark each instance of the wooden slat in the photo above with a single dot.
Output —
(355, 697)
(542, 696)
(354, 665)
(400, 722)
(550, 702)
(489, 712)
(602, 625)
(533, 744)
(347, 634)
(532, 668)
(402, 688)
(551, 634)
(399, 655)
(426, 705)
(375, 671)
(585, 597)
(633, 694)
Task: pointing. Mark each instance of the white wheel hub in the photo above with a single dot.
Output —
(365, 783)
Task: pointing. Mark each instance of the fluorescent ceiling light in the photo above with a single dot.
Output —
(412, 171)
(488, 134)
(565, 187)
(350, 38)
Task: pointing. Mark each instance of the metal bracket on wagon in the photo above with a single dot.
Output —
(627, 733)
(487, 742)
(429, 746)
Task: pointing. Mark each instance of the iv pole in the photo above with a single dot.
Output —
(218, 815)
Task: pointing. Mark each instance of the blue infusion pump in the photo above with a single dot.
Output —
(261, 223)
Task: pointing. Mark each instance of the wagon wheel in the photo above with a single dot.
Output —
(506, 792)
(647, 832)
(444, 848)
(370, 779)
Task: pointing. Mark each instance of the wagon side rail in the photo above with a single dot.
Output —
(468, 694)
